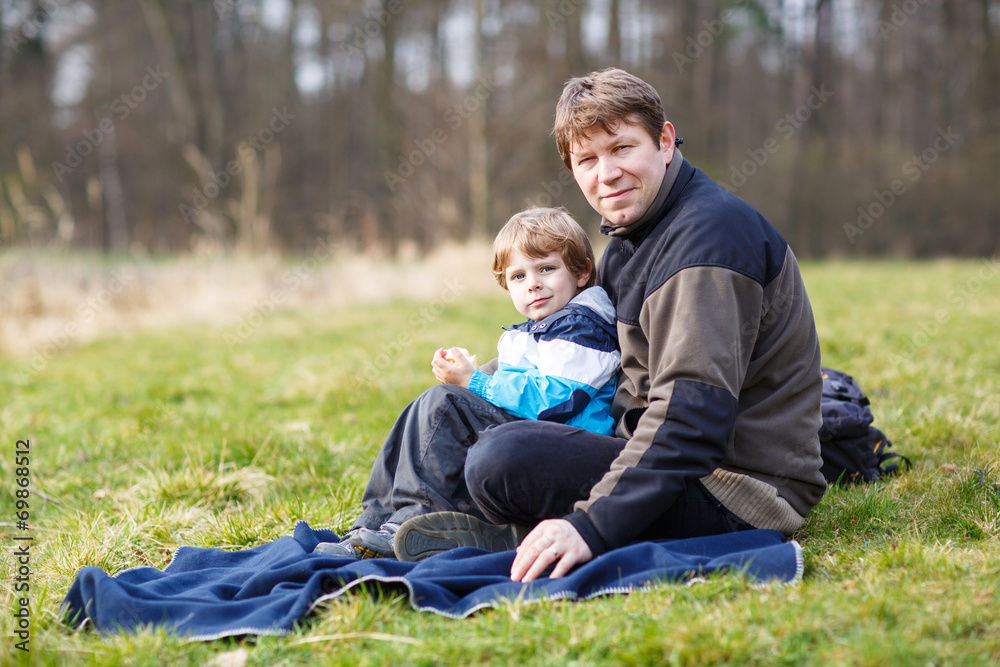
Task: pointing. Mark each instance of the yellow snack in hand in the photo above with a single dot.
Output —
(471, 357)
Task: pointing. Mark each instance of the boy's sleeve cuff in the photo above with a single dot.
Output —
(479, 383)
(588, 532)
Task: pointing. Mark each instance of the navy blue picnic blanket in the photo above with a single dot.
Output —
(205, 594)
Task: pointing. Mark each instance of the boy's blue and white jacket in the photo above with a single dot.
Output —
(561, 369)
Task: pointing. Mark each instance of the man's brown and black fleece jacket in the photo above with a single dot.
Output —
(721, 366)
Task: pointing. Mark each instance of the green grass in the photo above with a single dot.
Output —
(143, 443)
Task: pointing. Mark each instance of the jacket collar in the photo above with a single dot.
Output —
(593, 301)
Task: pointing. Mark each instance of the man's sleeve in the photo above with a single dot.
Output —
(701, 326)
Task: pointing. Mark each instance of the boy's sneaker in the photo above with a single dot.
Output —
(341, 548)
(429, 534)
(375, 543)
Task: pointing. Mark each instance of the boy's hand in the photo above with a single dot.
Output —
(447, 371)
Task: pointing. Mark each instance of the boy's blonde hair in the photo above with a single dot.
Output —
(604, 99)
(535, 233)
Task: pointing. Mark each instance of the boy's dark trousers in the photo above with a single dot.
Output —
(421, 466)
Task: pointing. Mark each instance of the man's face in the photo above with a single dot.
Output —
(620, 173)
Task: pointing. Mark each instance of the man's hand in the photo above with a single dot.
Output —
(550, 541)
(457, 372)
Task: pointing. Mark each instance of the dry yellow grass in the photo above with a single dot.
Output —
(50, 302)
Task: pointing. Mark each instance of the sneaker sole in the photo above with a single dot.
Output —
(429, 534)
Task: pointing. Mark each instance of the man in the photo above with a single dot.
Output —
(718, 403)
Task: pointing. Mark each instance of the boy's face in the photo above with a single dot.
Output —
(621, 173)
(541, 287)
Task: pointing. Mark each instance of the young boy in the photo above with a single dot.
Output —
(560, 365)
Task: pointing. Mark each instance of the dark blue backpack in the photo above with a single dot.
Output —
(853, 450)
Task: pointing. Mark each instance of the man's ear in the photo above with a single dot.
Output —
(667, 137)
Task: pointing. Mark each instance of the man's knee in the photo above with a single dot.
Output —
(500, 451)
(494, 467)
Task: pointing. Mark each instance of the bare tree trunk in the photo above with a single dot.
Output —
(701, 88)
(989, 90)
(389, 136)
(203, 19)
(614, 33)
(3, 62)
(576, 59)
(685, 26)
(479, 182)
(822, 65)
(112, 196)
(246, 223)
(268, 195)
(177, 91)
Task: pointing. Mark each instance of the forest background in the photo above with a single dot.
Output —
(148, 127)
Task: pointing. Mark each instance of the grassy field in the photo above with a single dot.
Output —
(211, 435)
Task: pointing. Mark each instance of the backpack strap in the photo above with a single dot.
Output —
(895, 467)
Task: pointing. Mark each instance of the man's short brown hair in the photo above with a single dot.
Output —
(535, 233)
(604, 99)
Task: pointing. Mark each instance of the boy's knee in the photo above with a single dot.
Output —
(439, 396)
(438, 392)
